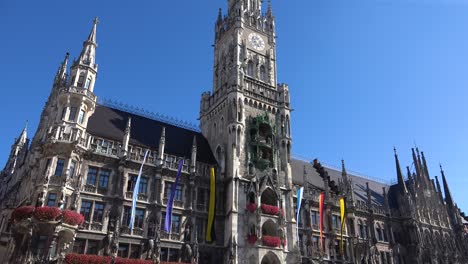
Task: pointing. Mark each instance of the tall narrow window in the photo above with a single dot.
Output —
(178, 192)
(175, 224)
(86, 209)
(126, 216)
(104, 178)
(80, 81)
(143, 185)
(51, 199)
(81, 117)
(59, 167)
(87, 83)
(250, 69)
(92, 174)
(98, 212)
(139, 217)
(131, 182)
(64, 113)
(72, 168)
(314, 216)
(72, 115)
(263, 75)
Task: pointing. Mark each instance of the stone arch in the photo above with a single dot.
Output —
(250, 69)
(270, 258)
(269, 197)
(269, 228)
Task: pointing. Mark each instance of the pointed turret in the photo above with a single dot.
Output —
(126, 138)
(220, 16)
(89, 46)
(269, 12)
(84, 69)
(426, 170)
(61, 76)
(448, 195)
(439, 190)
(401, 180)
(18, 151)
(193, 158)
(162, 144)
(23, 138)
(417, 179)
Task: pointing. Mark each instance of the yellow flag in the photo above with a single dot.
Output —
(211, 210)
(343, 222)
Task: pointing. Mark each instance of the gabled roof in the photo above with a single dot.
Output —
(110, 123)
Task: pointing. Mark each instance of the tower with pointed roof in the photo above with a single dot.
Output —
(246, 119)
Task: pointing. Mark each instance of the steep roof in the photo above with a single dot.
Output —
(110, 123)
(359, 182)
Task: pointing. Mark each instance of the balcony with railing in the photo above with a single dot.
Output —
(141, 196)
(171, 236)
(79, 91)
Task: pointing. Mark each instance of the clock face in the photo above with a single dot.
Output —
(256, 41)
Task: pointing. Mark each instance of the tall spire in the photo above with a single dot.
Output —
(92, 34)
(448, 195)
(426, 170)
(23, 137)
(417, 167)
(401, 180)
(162, 145)
(88, 53)
(269, 10)
(61, 76)
(439, 190)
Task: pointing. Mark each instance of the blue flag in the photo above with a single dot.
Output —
(300, 194)
(168, 220)
(135, 192)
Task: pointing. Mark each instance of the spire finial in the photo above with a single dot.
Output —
(401, 180)
(448, 195)
(92, 34)
(96, 20)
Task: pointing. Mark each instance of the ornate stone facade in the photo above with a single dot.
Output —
(85, 157)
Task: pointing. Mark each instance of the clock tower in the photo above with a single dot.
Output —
(246, 119)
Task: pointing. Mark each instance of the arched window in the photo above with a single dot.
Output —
(263, 74)
(250, 69)
(361, 229)
(378, 232)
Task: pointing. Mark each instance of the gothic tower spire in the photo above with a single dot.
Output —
(439, 190)
(84, 69)
(401, 180)
(448, 195)
(61, 76)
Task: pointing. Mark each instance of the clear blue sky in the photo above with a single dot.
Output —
(364, 75)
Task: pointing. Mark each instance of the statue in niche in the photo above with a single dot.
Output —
(186, 248)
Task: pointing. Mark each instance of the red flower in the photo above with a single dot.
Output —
(47, 213)
(95, 259)
(270, 209)
(271, 241)
(72, 218)
(251, 207)
(22, 213)
(252, 238)
(90, 259)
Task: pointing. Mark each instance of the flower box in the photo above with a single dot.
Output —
(271, 241)
(251, 207)
(47, 213)
(22, 213)
(95, 259)
(252, 239)
(270, 209)
(72, 218)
